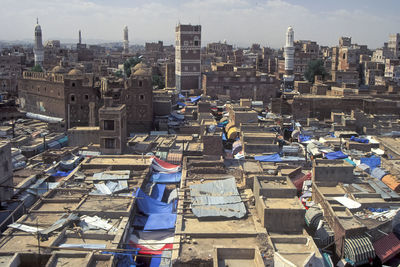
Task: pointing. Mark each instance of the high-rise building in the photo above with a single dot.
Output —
(288, 77)
(126, 40)
(38, 48)
(187, 57)
(394, 44)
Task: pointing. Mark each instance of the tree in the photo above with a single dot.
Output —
(129, 63)
(315, 67)
(118, 74)
(158, 81)
(37, 68)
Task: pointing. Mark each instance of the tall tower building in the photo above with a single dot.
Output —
(38, 49)
(126, 40)
(187, 57)
(288, 77)
(394, 44)
(80, 37)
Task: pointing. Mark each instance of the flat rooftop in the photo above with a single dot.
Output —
(283, 203)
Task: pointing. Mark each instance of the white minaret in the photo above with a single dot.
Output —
(126, 40)
(288, 77)
(38, 48)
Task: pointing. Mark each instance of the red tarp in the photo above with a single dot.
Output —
(387, 247)
(162, 166)
(298, 183)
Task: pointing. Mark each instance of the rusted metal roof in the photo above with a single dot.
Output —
(174, 157)
(387, 247)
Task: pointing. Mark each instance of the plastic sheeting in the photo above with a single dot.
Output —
(61, 174)
(160, 221)
(155, 262)
(148, 205)
(304, 138)
(161, 177)
(139, 221)
(153, 242)
(269, 158)
(162, 166)
(359, 140)
(158, 191)
(336, 155)
(194, 99)
(217, 199)
(372, 162)
(350, 161)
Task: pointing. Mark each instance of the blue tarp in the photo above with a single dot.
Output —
(269, 158)
(304, 138)
(148, 205)
(359, 140)
(181, 96)
(139, 221)
(336, 155)
(160, 221)
(332, 134)
(123, 259)
(181, 104)
(224, 137)
(155, 261)
(158, 191)
(194, 99)
(161, 177)
(378, 173)
(61, 174)
(372, 162)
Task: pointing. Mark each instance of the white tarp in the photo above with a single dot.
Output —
(154, 240)
(25, 228)
(90, 246)
(347, 202)
(95, 222)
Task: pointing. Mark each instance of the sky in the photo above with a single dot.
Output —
(239, 22)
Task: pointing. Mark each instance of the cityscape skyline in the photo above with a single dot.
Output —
(363, 21)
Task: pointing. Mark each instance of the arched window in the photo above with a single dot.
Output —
(344, 55)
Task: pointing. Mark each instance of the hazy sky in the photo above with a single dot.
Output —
(240, 22)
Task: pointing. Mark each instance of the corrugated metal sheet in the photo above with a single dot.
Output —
(358, 250)
(217, 199)
(387, 247)
(290, 149)
(174, 158)
(112, 175)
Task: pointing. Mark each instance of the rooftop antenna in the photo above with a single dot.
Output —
(37, 20)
